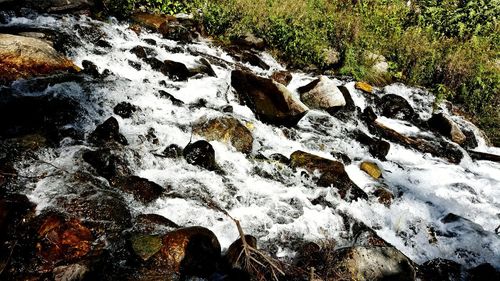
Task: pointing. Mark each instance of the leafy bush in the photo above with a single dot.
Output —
(122, 8)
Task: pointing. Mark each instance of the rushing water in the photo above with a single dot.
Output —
(277, 209)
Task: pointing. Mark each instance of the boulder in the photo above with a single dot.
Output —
(271, 102)
(482, 272)
(146, 246)
(384, 196)
(124, 109)
(371, 263)
(203, 67)
(170, 97)
(109, 131)
(332, 174)
(322, 93)
(232, 255)
(440, 269)
(363, 86)
(397, 107)
(106, 163)
(484, 156)
(142, 189)
(153, 223)
(25, 57)
(377, 147)
(191, 251)
(15, 209)
(174, 30)
(59, 6)
(371, 169)
(200, 153)
(250, 40)
(90, 68)
(176, 71)
(445, 126)
(283, 77)
(225, 129)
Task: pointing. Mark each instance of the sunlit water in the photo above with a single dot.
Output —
(277, 211)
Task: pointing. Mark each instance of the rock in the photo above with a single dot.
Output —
(331, 57)
(378, 62)
(349, 102)
(227, 130)
(363, 86)
(175, 70)
(271, 102)
(72, 272)
(25, 57)
(59, 6)
(440, 269)
(15, 209)
(173, 30)
(139, 51)
(170, 97)
(342, 157)
(152, 223)
(109, 131)
(142, 189)
(106, 163)
(200, 153)
(283, 77)
(445, 126)
(397, 107)
(483, 272)
(253, 59)
(322, 93)
(191, 251)
(232, 255)
(124, 109)
(62, 239)
(90, 68)
(470, 139)
(333, 174)
(384, 195)
(280, 158)
(250, 40)
(135, 65)
(377, 147)
(371, 263)
(173, 151)
(203, 67)
(371, 169)
(151, 21)
(483, 156)
(146, 246)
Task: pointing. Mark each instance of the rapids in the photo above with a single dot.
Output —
(273, 202)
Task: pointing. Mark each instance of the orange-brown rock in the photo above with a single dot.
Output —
(63, 239)
(153, 21)
(25, 57)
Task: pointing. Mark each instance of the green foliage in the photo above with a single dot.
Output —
(125, 7)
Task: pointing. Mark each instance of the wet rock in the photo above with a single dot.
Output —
(271, 102)
(172, 151)
(227, 109)
(322, 93)
(440, 269)
(232, 255)
(369, 115)
(225, 129)
(482, 272)
(150, 41)
(191, 251)
(146, 246)
(175, 70)
(25, 57)
(124, 109)
(283, 77)
(203, 67)
(90, 68)
(310, 255)
(371, 169)
(377, 147)
(484, 156)
(72, 272)
(59, 6)
(342, 157)
(200, 153)
(253, 59)
(135, 65)
(109, 131)
(470, 139)
(103, 44)
(349, 102)
(139, 51)
(445, 126)
(397, 107)
(153, 223)
(384, 195)
(371, 263)
(174, 30)
(151, 21)
(106, 163)
(61, 238)
(142, 189)
(170, 97)
(250, 40)
(279, 158)
(15, 209)
(332, 174)
(363, 86)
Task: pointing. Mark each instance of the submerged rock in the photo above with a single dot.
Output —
(371, 263)
(225, 129)
(322, 93)
(440, 269)
(25, 57)
(142, 189)
(271, 102)
(109, 131)
(200, 153)
(332, 174)
(445, 126)
(106, 163)
(397, 107)
(172, 151)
